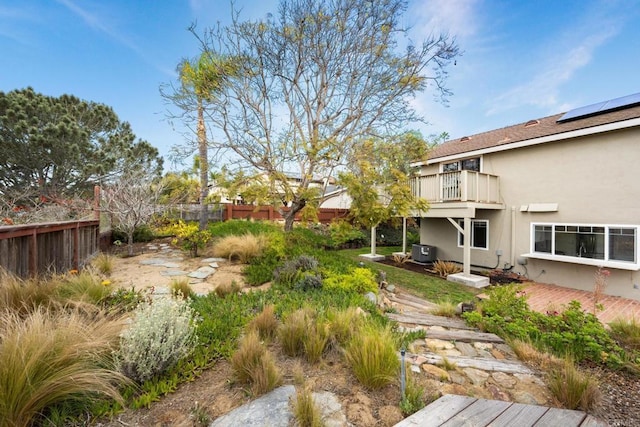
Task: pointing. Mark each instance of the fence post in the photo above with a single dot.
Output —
(33, 253)
(76, 244)
(96, 202)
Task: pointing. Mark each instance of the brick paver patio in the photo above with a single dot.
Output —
(543, 297)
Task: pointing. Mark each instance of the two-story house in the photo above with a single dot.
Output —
(552, 199)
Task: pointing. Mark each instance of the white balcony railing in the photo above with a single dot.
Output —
(459, 186)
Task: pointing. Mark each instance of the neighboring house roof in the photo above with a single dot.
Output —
(507, 137)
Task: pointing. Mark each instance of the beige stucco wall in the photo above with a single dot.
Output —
(594, 180)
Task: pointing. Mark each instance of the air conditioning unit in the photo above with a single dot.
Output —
(423, 253)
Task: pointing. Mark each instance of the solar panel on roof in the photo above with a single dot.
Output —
(601, 107)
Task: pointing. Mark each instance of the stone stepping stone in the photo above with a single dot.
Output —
(202, 273)
(152, 248)
(153, 261)
(172, 273)
(210, 260)
(214, 265)
(171, 265)
(272, 409)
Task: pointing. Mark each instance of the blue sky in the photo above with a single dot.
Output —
(522, 59)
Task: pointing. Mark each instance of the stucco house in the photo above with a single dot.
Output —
(552, 199)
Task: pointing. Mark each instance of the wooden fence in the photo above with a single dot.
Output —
(325, 215)
(33, 249)
(225, 212)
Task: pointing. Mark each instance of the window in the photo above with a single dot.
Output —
(479, 234)
(597, 242)
(472, 164)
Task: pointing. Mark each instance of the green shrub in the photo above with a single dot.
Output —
(413, 399)
(572, 331)
(236, 227)
(344, 234)
(141, 234)
(360, 280)
(51, 358)
(162, 332)
(300, 273)
(372, 356)
(189, 237)
(122, 299)
(260, 270)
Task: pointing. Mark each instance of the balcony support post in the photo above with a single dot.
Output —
(466, 250)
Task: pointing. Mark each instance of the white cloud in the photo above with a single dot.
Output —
(456, 17)
(542, 90)
(574, 50)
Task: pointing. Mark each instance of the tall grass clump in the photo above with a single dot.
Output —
(239, 248)
(305, 411)
(254, 365)
(266, 323)
(373, 358)
(343, 324)
(162, 332)
(50, 358)
(103, 263)
(292, 332)
(85, 286)
(573, 388)
(445, 309)
(316, 340)
(23, 296)
(626, 332)
(181, 288)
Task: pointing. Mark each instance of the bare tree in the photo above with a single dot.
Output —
(131, 201)
(313, 81)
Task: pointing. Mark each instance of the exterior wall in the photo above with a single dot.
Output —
(592, 179)
(341, 200)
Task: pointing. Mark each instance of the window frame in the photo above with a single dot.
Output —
(459, 235)
(606, 261)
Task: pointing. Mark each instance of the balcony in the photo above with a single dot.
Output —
(458, 186)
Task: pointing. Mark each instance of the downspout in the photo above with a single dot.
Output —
(513, 235)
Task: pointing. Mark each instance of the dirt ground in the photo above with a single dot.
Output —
(214, 392)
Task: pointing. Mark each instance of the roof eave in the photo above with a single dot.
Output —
(608, 127)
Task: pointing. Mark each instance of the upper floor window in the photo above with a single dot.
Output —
(598, 242)
(472, 164)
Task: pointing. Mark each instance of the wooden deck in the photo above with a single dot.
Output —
(453, 411)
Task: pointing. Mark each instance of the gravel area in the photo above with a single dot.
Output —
(620, 398)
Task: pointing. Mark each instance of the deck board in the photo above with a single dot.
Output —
(439, 411)
(519, 414)
(561, 417)
(457, 411)
(480, 413)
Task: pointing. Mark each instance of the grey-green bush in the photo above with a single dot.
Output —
(162, 333)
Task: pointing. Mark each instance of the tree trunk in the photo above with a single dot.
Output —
(204, 168)
(290, 215)
(130, 243)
